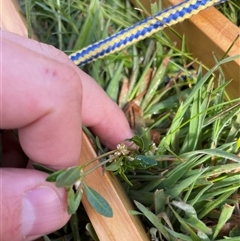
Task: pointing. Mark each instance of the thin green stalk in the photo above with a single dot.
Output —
(59, 25)
(97, 166)
(28, 16)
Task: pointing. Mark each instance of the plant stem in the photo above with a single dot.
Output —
(28, 16)
(98, 157)
(97, 166)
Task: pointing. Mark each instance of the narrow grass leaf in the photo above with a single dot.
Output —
(75, 227)
(92, 232)
(226, 213)
(199, 194)
(171, 134)
(98, 202)
(220, 169)
(179, 236)
(159, 201)
(90, 22)
(211, 205)
(192, 218)
(114, 85)
(227, 181)
(141, 79)
(155, 82)
(202, 236)
(175, 175)
(198, 225)
(183, 184)
(153, 219)
(186, 227)
(230, 239)
(213, 152)
(235, 129)
(46, 238)
(195, 125)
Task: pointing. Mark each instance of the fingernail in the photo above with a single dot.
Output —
(41, 212)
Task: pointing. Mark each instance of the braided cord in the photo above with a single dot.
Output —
(141, 30)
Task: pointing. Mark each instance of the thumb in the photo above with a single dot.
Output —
(29, 206)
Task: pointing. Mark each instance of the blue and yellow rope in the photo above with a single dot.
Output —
(141, 30)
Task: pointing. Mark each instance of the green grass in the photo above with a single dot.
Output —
(193, 191)
(231, 9)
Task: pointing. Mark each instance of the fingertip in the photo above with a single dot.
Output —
(113, 129)
(42, 212)
(32, 206)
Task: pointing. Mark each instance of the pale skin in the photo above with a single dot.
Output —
(46, 99)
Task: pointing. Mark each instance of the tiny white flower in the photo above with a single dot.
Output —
(77, 184)
(122, 148)
(153, 148)
(130, 158)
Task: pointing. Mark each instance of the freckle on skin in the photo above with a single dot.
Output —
(54, 73)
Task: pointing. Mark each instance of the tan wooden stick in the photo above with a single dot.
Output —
(122, 226)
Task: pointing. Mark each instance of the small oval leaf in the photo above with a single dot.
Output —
(53, 177)
(42, 168)
(98, 202)
(138, 141)
(74, 200)
(68, 177)
(143, 162)
(114, 166)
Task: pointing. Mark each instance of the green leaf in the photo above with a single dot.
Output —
(74, 200)
(46, 238)
(185, 226)
(203, 236)
(211, 205)
(124, 177)
(214, 152)
(92, 232)
(98, 202)
(53, 177)
(153, 219)
(230, 239)
(235, 232)
(226, 213)
(192, 219)
(75, 227)
(42, 168)
(143, 162)
(238, 142)
(183, 184)
(113, 87)
(138, 141)
(180, 236)
(159, 201)
(114, 166)
(68, 177)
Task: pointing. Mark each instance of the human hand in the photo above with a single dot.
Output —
(46, 98)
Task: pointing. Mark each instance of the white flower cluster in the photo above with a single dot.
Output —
(122, 150)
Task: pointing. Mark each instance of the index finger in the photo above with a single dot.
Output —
(99, 112)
